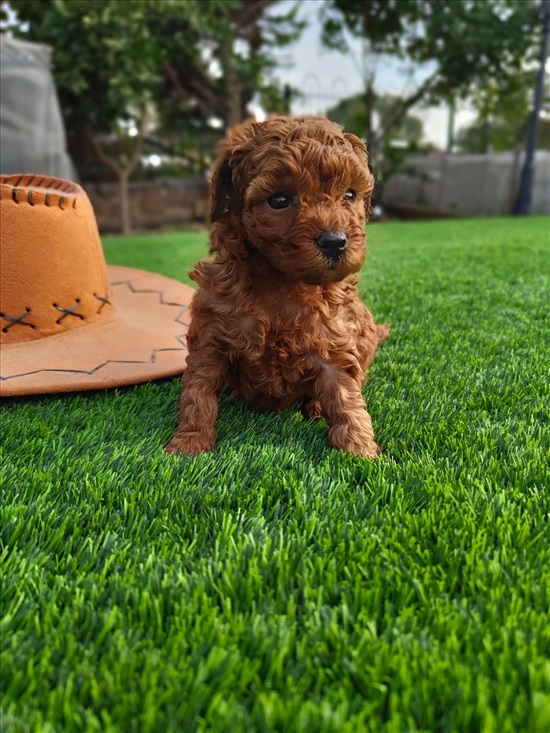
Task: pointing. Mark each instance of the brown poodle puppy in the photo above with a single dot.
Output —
(277, 316)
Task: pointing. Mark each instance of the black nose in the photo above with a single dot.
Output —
(332, 244)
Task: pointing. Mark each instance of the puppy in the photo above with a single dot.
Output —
(277, 316)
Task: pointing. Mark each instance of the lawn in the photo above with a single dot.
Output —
(276, 585)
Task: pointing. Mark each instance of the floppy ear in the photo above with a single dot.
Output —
(221, 189)
(226, 188)
(360, 150)
(358, 146)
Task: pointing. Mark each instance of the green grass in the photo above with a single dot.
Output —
(275, 584)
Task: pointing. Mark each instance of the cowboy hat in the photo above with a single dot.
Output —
(68, 321)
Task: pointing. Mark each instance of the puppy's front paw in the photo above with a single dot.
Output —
(371, 450)
(190, 443)
(357, 447)
(312, 410)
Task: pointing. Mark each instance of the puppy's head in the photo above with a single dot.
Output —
(296, 190)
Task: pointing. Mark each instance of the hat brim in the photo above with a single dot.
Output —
(144, 339)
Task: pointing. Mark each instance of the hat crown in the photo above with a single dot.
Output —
(53, 276)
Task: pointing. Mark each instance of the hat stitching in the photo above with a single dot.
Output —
(16, 319)
(136, 291)
(53, 184)
(182, 311)
(37, 191)
(71, 311)
(13, 320)
(160, 293)
(104, 301)
(151, 360)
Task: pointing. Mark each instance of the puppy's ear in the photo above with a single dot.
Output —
(358, 146)
(221, 189)
(227, 185)
(360, 150)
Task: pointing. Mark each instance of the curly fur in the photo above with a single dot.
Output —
(275, 318)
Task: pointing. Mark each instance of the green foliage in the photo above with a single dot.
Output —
(467, 46)
(115, 62)
(402, 139)
(383, 22)
(275, 584)
(245, 40)
(504, 111)
(106, 58)
(470, 41)
(352, 114)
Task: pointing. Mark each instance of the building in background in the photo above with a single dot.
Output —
(32, 135)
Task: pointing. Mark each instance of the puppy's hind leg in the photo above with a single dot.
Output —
(202, 382)
(382, 331)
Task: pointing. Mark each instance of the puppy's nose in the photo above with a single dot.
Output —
(332, 244)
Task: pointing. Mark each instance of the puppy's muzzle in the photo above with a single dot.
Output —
(332, 244)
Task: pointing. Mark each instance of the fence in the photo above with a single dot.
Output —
(153, 205)
(466, 185)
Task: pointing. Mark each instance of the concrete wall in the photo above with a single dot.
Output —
(467, 185)
(153, 204)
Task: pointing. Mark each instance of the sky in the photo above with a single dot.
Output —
(325, 77)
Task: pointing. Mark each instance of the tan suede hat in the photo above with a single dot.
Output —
(69, 322)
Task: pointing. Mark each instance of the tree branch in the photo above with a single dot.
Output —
(396, 113)
(124, 166)
(136, 157)
(249, 12)
(102, 155)
(197, 84)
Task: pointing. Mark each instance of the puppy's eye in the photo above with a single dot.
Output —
(279, 201)
(350, 195)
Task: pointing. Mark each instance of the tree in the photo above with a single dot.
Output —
(106, 65)
(402, 139)
(124, 68)
(238, 39)
(466, 43)
(503, 114)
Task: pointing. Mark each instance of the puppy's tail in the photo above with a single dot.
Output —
(382, 331)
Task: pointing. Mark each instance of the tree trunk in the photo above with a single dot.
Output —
(397, 112)
(123, 178)
(232, 85)
(369, 104)
(123, 167)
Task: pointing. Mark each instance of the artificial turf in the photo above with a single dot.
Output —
(278, 585)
